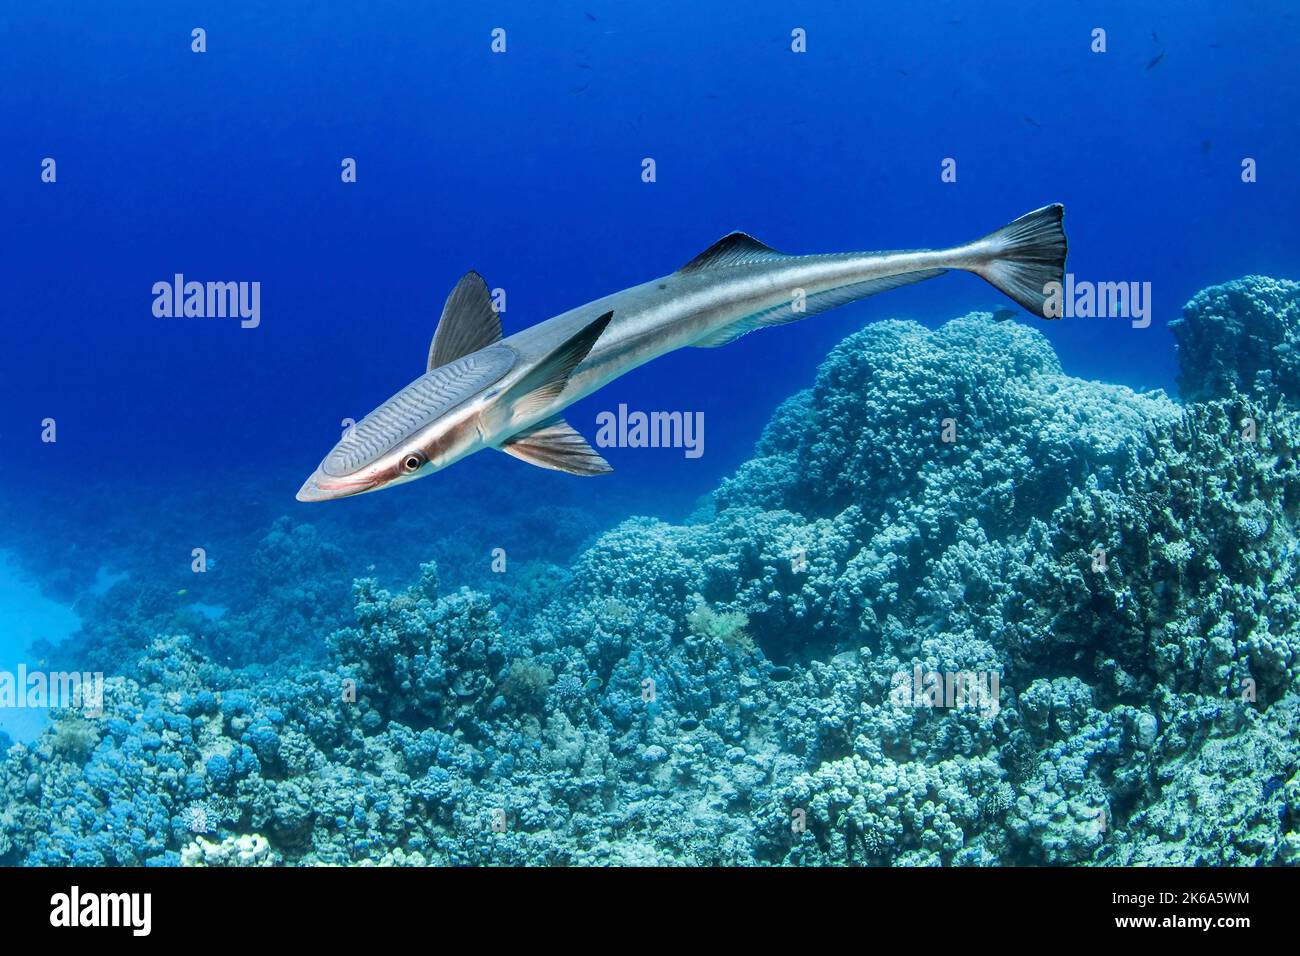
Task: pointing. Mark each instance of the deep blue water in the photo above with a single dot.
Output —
(526, 166)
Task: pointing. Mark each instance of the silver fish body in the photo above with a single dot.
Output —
(484, 391)
(678, 310)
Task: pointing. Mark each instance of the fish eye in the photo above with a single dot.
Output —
(413, 462)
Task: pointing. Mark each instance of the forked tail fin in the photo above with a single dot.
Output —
(1023, 256)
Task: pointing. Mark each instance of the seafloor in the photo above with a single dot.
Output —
(721, 691)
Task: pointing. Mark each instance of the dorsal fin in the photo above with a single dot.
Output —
(733, 249)
(468, 322)
(549, 376)
(554, 444)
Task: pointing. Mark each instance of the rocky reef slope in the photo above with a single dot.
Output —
(1114, 576)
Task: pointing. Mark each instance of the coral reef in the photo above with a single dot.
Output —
(243, 850)
(1241, 337)
(1107, 578)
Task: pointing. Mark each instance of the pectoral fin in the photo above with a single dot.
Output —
(468, 322)
(547, 379)
(554, 444)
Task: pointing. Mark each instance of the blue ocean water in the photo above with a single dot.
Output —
(526, 164)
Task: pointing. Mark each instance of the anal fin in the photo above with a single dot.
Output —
(555, 445)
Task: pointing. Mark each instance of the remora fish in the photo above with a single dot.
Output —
(484, 391)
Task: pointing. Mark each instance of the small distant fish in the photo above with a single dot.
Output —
(584, 66)
(1205, 146)
(1002, 315)
(589, 16)
(902, 72)
(688, 724)
(1032, 122)
(1154, 36)
(579, 89)
(1156, 60)
(182, 592)
(780, 673)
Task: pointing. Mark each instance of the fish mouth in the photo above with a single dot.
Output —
(321, 487)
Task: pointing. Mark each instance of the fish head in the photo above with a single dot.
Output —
(432, 423)
(399, 465)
